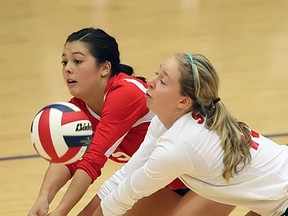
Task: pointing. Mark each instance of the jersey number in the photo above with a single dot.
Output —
(254, 144)
(198, 117)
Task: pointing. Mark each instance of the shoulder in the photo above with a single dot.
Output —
(78, 102)
(192, 119)
(188, 126)
(81, 104)
(122, 88)
(126, 82)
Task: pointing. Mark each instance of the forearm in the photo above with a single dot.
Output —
(250, 213)
(77, 188)
(98, 212)
(56, 176)
(161, 169)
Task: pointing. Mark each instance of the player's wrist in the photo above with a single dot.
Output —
(62, 210)
(45, 196)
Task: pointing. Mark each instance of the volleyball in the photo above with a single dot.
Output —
(61, 133)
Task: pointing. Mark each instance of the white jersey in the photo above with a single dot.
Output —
(190, 151)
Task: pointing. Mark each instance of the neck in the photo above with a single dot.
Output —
(95, 105)
(95, 100)
(170, 120)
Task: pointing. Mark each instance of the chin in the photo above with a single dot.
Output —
(150, 107)
(148, 104)
(75, 94)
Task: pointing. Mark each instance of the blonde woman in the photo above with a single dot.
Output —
(194, 137)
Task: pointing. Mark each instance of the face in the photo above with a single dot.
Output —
(80, 70)
(163, 95)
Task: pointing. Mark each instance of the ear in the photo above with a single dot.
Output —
(185, 103)
(105, 69)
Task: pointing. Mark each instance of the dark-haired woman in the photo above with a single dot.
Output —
(114, 101)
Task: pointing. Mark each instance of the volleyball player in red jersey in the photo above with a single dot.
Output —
(114, 101)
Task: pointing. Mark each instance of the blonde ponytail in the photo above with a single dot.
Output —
(201, 85)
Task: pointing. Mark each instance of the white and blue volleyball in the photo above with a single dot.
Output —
(61, 133)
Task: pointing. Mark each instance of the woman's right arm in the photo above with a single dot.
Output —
(138, 159)
(55, 178)
(168, 161)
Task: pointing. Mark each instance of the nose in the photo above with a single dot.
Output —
(151, 82)
(67, 68)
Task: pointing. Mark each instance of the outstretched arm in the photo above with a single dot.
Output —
(77, 188)
(250, 213)
(167, 162)
(56, 176)
(98, 212)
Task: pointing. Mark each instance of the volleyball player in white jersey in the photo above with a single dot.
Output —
(194, 138)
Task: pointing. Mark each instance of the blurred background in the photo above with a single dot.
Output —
(246, 41)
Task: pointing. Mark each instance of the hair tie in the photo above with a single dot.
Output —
(216, 100)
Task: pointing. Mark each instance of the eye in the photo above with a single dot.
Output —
(64, 62)
(77, 61)
(160, 78)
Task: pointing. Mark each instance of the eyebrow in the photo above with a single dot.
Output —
(166, 74)
(74, 53)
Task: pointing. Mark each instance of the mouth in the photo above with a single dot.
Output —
(148, 95)
(71, 81)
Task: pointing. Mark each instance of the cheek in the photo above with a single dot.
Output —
(164, 98)
(90, 81)
(87, 75)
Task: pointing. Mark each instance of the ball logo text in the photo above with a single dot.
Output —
(83, 127)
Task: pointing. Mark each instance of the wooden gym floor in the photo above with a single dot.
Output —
(246, 40)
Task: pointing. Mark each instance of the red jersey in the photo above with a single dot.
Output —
(120, 129)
